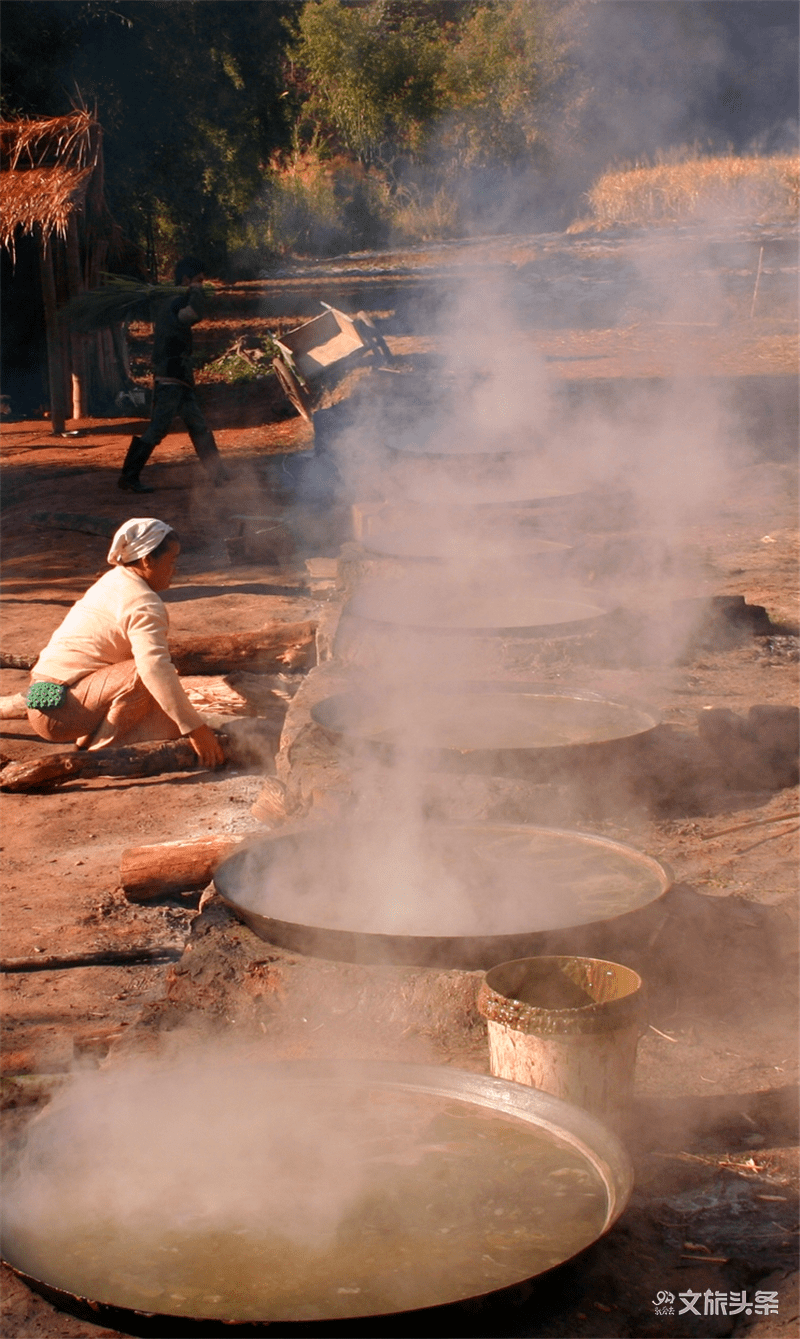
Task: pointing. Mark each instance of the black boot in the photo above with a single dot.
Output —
(136, 458)
(210, 458)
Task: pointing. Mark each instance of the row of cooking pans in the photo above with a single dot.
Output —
(356, 1198)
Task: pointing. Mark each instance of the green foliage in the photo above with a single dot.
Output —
(501, 70)
(373, 77)
(241, 364)
(430, 95)
(302, 214)
(189, 97)
(318, 206)
(218, 117)
(387, 81)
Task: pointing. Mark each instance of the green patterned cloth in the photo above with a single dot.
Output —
(45, 696)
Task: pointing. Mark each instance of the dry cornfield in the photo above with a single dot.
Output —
(755, 190)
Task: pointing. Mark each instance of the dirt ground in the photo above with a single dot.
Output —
(714, 1131)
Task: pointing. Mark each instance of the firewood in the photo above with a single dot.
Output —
(167, 755)
(240, 694)
(13, 708)
(211, 692)
(264, 689)
(146, 872)
(50, 962)
(275, 647)
(245, 743)
(25, 660)
(278, 646)
(274, 803)
(84, 524)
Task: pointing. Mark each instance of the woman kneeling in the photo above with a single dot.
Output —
(106, 677)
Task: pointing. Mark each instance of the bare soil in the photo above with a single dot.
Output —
(714, 1131)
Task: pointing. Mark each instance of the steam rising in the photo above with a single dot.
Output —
(213, 1186)
(462, 466)
(167, 1145)
(404, 876)
(477, 458)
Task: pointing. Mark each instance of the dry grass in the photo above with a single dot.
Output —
(416, 217)
(46, 172)
(697, 190)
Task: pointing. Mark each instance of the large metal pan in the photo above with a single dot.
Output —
(526, 609)
(455, 895)
(442, 446)
(468, 546)
(495, 726)
(450, 487)
(214, 1195)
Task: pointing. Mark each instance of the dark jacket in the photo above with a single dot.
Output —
(172, 337)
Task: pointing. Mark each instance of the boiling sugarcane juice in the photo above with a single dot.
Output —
(449, 1200)
(498, 721)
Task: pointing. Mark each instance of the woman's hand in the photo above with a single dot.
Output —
(206, 746)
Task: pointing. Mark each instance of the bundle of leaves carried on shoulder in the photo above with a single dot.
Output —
(118, 300)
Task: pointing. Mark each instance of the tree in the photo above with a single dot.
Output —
(189, 95)
(503, 70)
(372, 76)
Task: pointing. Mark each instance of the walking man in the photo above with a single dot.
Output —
(173, 383)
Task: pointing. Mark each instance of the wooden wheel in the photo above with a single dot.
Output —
(295, 392)
(373, 338)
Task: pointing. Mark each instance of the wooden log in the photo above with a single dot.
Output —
(50, 962)
(13, 708)
(276, 647)
(80, 521)
(167, 755)
(77, 342)
(146, 872)
(245, 743)
(25, 661)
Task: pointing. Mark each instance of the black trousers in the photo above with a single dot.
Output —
(170, 402)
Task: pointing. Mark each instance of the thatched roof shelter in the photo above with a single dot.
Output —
(43, 197)
(45, 171)
(51, 194)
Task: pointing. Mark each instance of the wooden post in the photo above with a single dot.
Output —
(758, 281)
(95, 259)
(77, 342)
(55, 368)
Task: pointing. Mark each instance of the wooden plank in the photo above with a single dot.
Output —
(78, 347)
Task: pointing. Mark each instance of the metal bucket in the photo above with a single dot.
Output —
(568, 1026)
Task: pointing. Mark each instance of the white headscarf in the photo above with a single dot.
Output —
(136, 538)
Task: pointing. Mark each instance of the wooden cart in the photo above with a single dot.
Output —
(314, 355)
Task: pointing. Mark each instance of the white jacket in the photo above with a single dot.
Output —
(119, 618)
